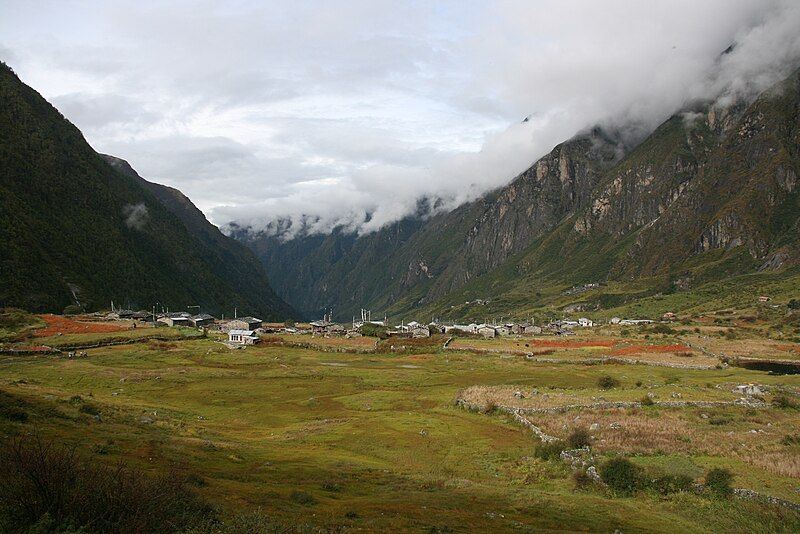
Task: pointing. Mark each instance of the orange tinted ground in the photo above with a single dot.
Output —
(789, 348)
(57, 324)
(573, 344)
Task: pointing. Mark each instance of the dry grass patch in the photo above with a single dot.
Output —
(734, 433)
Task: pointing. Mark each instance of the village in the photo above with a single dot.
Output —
(248, 330)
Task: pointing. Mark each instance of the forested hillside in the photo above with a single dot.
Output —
(75, 231)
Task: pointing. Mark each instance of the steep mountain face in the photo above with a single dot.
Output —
(76, 230)
(710, 183)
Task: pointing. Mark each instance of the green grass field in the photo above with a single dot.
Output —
(375, 441)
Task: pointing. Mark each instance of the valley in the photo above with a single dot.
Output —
(334, 433)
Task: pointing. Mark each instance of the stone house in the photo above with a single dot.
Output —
(487, 331)
(244, 323)
(175, 319)
(201, 319)
(420, 331)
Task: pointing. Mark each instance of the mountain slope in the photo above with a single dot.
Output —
(709, 194)
(74, 230)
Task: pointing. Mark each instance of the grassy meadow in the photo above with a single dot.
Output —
(375, 441)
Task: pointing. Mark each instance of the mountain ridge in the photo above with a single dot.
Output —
(629, 212)
(77, 232)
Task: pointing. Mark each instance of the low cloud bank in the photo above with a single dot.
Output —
(590, 75)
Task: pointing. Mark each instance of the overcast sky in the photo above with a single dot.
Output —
(330, 111)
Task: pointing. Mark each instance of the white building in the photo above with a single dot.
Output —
(242, 337)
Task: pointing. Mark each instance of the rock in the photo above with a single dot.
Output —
(703, 416)
(593, 474)
(748, 390)
(615, 426)
(519, 395)
(594, 426)
(145, 420)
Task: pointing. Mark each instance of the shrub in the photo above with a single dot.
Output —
(49, 487)
(579, 438)
(332, 487)
(90, 409)
(581, 479)
(662, 329)
(607, 382)
(647, 400)
(621, 475)
(719, 481)
(374, 330)
(783, 401)
(638, 383)
(550, 451)
(791, 439)
(719, 420)
(73, 309)
(12, 413)
(289, 323)
(794, 304)
(490, 407)
(303, 497)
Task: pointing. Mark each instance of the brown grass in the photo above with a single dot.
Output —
(683, 431)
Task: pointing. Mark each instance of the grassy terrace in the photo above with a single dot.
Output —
(375, 441)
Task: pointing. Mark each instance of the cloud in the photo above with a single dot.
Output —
(136, 215)
(305, 116)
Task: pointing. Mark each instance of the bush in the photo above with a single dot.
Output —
(579, 438)
(49, 487)
(790, 439)
(303, 497)
(373, 330)
(73, 309)
(794, 304)
(719, 420)
(550, 451)
(662, 329)
(783, 401)
(621, 475)
(719, 481)
(607, 382)
(647, 400)
(90, 409)
(289, 323)
(581, 479)
(12, 413)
